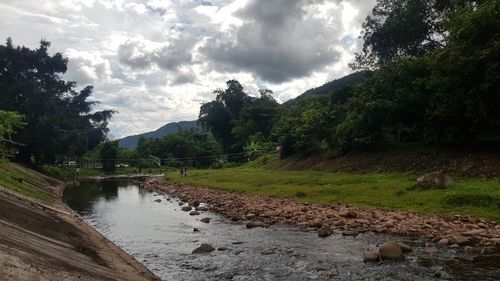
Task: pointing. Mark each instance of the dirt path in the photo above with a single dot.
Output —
(347, 220)
(40, 242)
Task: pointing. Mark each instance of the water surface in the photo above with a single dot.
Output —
(161, 236)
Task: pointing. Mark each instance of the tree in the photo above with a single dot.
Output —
(108, 154)
(10, 122)
(402, 28)
(60, 120)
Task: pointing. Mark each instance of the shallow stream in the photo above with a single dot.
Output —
(161, 236)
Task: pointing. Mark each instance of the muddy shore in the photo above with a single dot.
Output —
(456, 231)
(46, 242)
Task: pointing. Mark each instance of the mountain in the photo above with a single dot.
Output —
(335, 85)
(171, 128)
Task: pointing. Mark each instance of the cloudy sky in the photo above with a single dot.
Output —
(156, 61)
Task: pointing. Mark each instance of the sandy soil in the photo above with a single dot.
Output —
(348, 220)
(40, 242)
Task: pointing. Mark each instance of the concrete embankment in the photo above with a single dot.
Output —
(44, 241)
(455, 231)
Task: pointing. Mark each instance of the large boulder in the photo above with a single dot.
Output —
(390, 251)
(434, 180)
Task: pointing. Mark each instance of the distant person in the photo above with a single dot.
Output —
(77, 173)
(185, 171)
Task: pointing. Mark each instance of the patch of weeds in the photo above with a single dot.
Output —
(473, 200)
(400, 193)
(300, 194)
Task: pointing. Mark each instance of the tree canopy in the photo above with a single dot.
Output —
(60, 121)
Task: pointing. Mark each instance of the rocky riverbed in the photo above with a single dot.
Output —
(456, 231)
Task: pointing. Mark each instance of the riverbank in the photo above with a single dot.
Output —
(40, 239)
(343, 219)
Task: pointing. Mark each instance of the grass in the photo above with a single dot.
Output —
(475, 197)
(12, 178)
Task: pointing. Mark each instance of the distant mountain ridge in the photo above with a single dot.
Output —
(130, 142)
(334, 85)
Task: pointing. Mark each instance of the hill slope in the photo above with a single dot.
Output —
(334, 85)
(170, 128)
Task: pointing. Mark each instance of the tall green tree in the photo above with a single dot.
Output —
(60, 120)
(108, 154)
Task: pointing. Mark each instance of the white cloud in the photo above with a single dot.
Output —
(156, 61)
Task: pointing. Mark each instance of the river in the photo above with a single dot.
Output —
(162, 237)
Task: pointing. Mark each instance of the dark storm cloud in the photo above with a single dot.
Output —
(278, 41)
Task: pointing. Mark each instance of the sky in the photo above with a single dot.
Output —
(157, 61)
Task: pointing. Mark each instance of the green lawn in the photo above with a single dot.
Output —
(476, 197)
(12, 178)
(69, 173)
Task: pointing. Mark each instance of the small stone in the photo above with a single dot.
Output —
(325, 231)
(222, 249)
(204, 248)
(158, 200)
(186, 208)
(201, 209)
(250, 216)
(339, 223)
(370, 257)
(181, 203)
(205, 220)
(194, 213)
(195, 204)
(196, 230)
(459, 239)
(349, 214)
(390, 251)
(444, 241)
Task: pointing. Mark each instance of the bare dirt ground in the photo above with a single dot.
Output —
(39, 242)
(347, 220)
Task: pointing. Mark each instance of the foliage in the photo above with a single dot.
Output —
(60, 121)
(10, 122)
(184, 148)
(234, 116)
(422, 91)
(108, 153)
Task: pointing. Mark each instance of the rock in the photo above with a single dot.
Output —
(195, 204)
(459, 239)
(205, 220)
(434, 180)
(405, 248)
(186, 208)
(444, 241)
(349, 214)
(181, 203)
(253, 224)
(202, 209)
(339, 223)
(315, 224)
(250, 216)
(370, 256)
(194, 213)
(474, 232)
(196, 230)
(204, 248)
(222, 249)
(158, 200)
(325, 231)
(390, 251)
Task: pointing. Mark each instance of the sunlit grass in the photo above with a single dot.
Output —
(475, 197)
(13, 178)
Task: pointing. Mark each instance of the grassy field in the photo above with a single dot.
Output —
(12, 178)
(475, 197)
